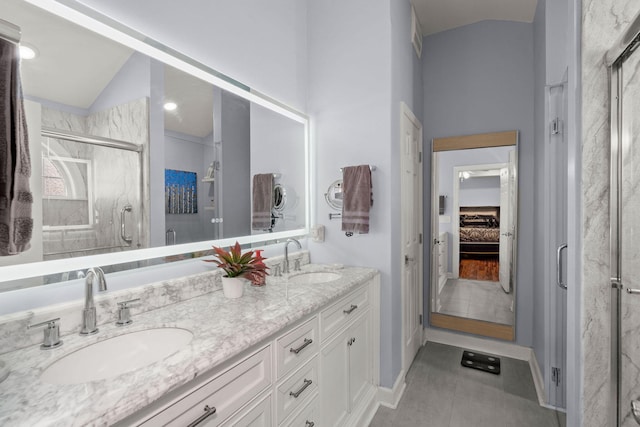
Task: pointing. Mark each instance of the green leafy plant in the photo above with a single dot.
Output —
(236, 264)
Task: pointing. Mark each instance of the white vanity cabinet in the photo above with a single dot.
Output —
(347, 371)
(318, 372)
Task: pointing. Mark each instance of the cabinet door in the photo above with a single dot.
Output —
(335, 379)
(359, 335)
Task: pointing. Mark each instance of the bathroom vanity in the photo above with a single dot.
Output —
(263, 359)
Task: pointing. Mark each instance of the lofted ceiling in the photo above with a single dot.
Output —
(442, 15)
(74, 66)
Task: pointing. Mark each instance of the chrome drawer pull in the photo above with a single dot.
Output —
(207, 413)
(306, 342)
(309, 424)
(353, 307)
(306, 384)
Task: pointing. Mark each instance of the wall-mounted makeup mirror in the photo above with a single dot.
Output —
(136, 146)
(474, 253)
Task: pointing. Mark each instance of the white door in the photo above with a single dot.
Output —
(557, 190)
(505, 250)
(411, 226)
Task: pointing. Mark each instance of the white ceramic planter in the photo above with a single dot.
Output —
(232, 287)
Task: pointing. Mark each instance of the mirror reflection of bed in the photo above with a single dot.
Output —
(474, 232)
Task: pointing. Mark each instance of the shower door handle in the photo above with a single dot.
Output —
(123, 224)
(170, 232)
(635, 410)
(559, 266)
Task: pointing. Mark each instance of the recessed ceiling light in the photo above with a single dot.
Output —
(27, 52)
(170, 106)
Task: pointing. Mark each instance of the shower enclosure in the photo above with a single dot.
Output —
(625, 226)
(92, 195)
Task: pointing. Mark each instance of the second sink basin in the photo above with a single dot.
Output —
(116, 356)
(314, 277)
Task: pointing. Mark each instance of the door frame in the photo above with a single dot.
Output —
(455, 211)
(405, 111)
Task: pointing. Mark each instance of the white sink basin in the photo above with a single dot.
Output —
(314, 277)
(117, 355)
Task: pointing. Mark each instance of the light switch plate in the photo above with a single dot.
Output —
(317, 233)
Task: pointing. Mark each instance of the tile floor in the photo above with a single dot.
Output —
(441, 393)
(476, 299)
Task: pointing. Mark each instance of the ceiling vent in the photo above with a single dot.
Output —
(416, 33)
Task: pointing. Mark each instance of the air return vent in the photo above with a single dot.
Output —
(416, 33)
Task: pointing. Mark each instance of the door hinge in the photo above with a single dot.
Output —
(420, 238)
(556, 126)
(556, 376)
(420, 319)
(419, 156)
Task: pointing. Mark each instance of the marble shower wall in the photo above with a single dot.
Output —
(602, 23)
(116, 174)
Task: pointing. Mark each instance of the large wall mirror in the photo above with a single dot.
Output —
(141, 153)
(474, 230)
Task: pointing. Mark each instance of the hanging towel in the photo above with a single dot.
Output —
(16, 223)
(262, 201)
(357, 199)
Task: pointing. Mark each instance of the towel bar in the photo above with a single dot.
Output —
(335, 215)
(371, 168)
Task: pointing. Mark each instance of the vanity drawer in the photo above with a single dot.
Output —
(254, 415)
(296, 347)
(294, 391)
(334, 318)
(309, 416)
(226, 393)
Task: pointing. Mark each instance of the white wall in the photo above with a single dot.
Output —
(260, 43)
(349, 102)
(277, 147)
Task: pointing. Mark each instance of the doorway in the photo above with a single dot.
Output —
(411, 229)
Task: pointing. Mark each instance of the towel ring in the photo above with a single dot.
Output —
(334, 195)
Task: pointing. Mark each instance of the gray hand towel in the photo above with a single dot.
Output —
(16, 224)
(262, 201)
(358, 199)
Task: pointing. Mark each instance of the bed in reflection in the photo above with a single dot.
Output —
(479, 231)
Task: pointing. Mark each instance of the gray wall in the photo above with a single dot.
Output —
(406, 86)
(232, 115)
(539, 38)
(477, 79)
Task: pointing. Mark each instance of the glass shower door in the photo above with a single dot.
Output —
(626, 226)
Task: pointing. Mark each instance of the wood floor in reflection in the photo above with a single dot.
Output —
(480, 269)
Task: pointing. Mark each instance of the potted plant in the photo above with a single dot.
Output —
(238, 266)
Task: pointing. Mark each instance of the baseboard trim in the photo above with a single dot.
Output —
(505, 349)
(538, 381)
(390, 397)
(367, 411)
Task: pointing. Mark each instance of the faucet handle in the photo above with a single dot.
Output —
(51, 333)
(296, 265)
(277, 271)
(124, 314)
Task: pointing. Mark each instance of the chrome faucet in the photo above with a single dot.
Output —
(89, 312)
(286, 253)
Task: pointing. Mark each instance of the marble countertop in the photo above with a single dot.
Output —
(222, 329)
